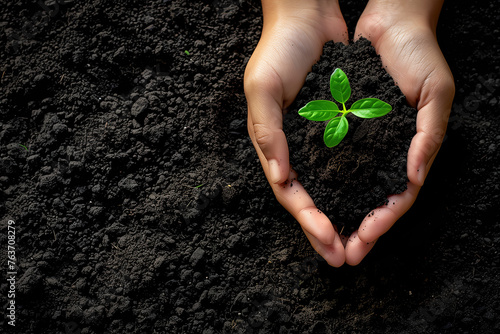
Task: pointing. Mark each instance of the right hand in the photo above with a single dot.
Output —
(404, 34)
(292, 41)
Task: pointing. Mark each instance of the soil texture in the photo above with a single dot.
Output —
(356, 176)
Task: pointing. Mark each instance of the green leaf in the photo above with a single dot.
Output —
(335, 131)
(319, 110)
(370, 108)
(339, 86)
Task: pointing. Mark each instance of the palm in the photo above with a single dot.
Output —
(274, 76)
(410, 53)
(286, 53)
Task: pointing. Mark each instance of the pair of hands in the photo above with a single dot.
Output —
(292, 40)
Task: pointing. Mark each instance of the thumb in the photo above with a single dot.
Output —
(432, 120)
(265, 127)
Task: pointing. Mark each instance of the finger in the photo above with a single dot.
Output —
(265, 125)
(334, 254)
(423, 149)
(380, 220)
(432, 119)
(295, 199)
(318, 228)
(356, 249)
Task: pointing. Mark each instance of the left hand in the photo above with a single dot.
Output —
(292, 39)
(404, 34)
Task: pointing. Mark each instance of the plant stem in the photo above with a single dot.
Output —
(343, 106)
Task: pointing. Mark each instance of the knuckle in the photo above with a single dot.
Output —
(374, 25)
(258, 81)
(446, 87)
(250, 83)
(434, 140)
(263, 135)
(450, 85)
(438, 134)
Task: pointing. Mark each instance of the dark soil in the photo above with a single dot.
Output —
(139, 204)
(356, 176)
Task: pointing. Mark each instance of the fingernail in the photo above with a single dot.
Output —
(421, 173)
(274, 171)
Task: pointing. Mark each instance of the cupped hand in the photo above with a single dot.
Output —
(292, 41)
(404, 35)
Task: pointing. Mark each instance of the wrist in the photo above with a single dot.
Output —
(276, 9)
(421, 13)
(323, 18)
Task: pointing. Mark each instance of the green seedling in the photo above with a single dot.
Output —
(323, 110)
(187, 52)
